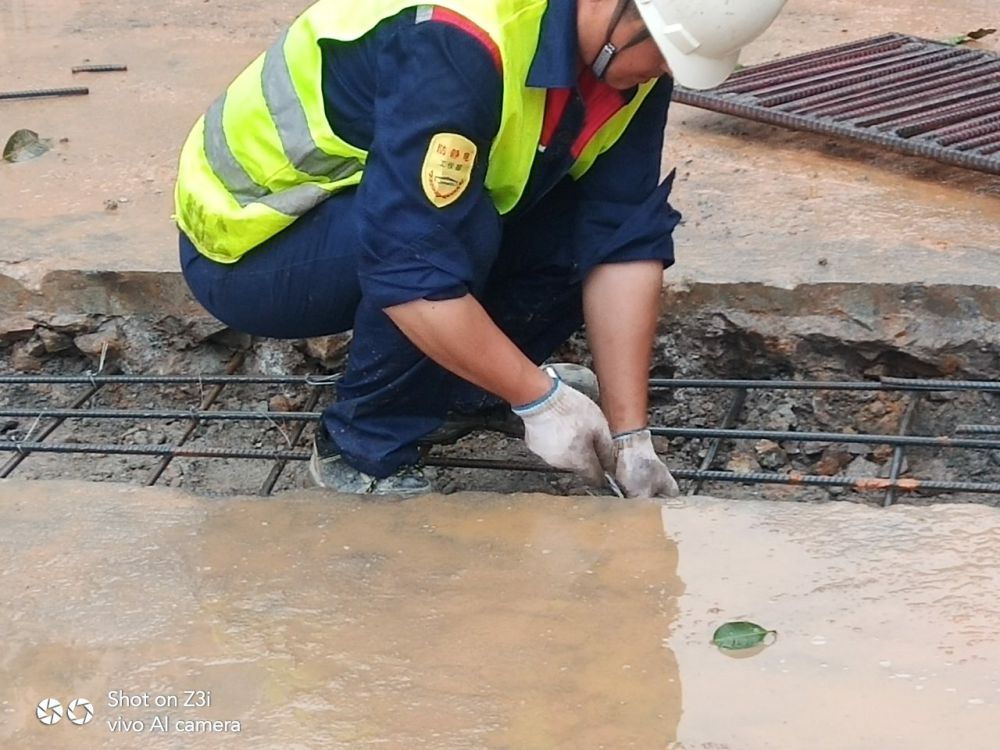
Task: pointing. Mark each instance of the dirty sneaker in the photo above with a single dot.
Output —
(331, 471)
(500, 419)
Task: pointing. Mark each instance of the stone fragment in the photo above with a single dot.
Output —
(832, 462)
(54, 341)
(770, 455)
(106, 341)
(863, 468)
(14, 329)
(329, 350)
(23, 360)
(742, 463)
(782, 418)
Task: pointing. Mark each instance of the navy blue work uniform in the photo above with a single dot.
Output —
(385, 244)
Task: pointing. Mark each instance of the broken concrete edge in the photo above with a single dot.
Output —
(752, 329)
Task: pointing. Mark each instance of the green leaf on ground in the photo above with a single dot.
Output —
(735, 636)
(972, 36)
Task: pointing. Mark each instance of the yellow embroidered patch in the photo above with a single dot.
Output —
(447, 168)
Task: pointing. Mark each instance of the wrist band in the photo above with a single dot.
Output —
(532, 405)
(629, 432)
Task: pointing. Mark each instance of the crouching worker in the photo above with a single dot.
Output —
(464, 185)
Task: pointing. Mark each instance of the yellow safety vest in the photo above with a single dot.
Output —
(265, 153)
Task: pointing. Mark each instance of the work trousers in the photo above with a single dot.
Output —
(304, 282)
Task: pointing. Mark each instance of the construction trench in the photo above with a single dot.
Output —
(825, 388)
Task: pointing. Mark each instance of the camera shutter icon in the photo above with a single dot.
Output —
(49, 711)
(80, 711)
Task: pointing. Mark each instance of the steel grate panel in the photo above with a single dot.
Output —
(900, 92)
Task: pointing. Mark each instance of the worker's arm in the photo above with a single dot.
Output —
(461, 337)
(561, 425)
(620, 304)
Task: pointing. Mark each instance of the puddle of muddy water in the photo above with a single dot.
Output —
(887, 626)
(461, 622)
(487, 621)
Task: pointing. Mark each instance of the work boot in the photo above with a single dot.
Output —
(330, 470)
(500, 419)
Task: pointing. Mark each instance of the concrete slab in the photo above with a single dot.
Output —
(482, 621)
(763, 205)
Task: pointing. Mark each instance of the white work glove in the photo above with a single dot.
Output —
(639, 472)
(568, 430)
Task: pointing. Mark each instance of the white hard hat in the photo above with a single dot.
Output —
(701, 39)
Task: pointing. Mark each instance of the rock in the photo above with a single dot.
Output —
(14, 329)
(33, 347)
(54, 341)
(814, 448)
(782, 418)
(742, 463)
(280, 402)
(107, 341)
(995, 457)
(886, 468)
(832, 462)
(329, 350)
(24, 361)
(7, 425)
(770, 455)
(863, 468)
(71, 324)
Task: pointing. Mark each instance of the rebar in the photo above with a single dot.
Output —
(279, 466)
(100, 68)
(732, 414)
(898, 453)
(40, 93)
(895, 91)
(939, 441)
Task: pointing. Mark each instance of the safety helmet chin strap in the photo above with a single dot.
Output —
(609, 51)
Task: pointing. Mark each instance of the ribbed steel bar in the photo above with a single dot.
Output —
(174, 451)
(730, 419)
(780, 70)
(978, 429)
(15, 461)
(100, 68)
(267, 487)
(40, 93)
(800, 88)
(899, 452)
(162, 414)
(896, 92)
(845, 101)
(207, 400)
(862, 484)
(932, 384)
(940, 441)
(795, 479)
(213, 379)
(928, 96)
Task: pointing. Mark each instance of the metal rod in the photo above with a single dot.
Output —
(940, 441)
(732, 414)
(862, 484)
(152, 450)
(212, 379)
(795, 479)
(163, 414)
(977, 429)
(15, 461)
(39, 93)
(899, 451)
(925, 384)
(279, 466)
(100, 68)
(234, 364)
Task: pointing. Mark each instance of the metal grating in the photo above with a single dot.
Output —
(900, 92)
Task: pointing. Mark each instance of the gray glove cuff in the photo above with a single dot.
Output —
(631, 438)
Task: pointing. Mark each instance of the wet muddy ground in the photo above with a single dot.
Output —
(485, 621)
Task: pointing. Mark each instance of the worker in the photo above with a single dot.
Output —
(463, 185)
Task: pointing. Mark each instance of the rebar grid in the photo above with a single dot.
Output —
(728, 430)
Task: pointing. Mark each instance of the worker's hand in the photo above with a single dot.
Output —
(568, 431)
(638, 470)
